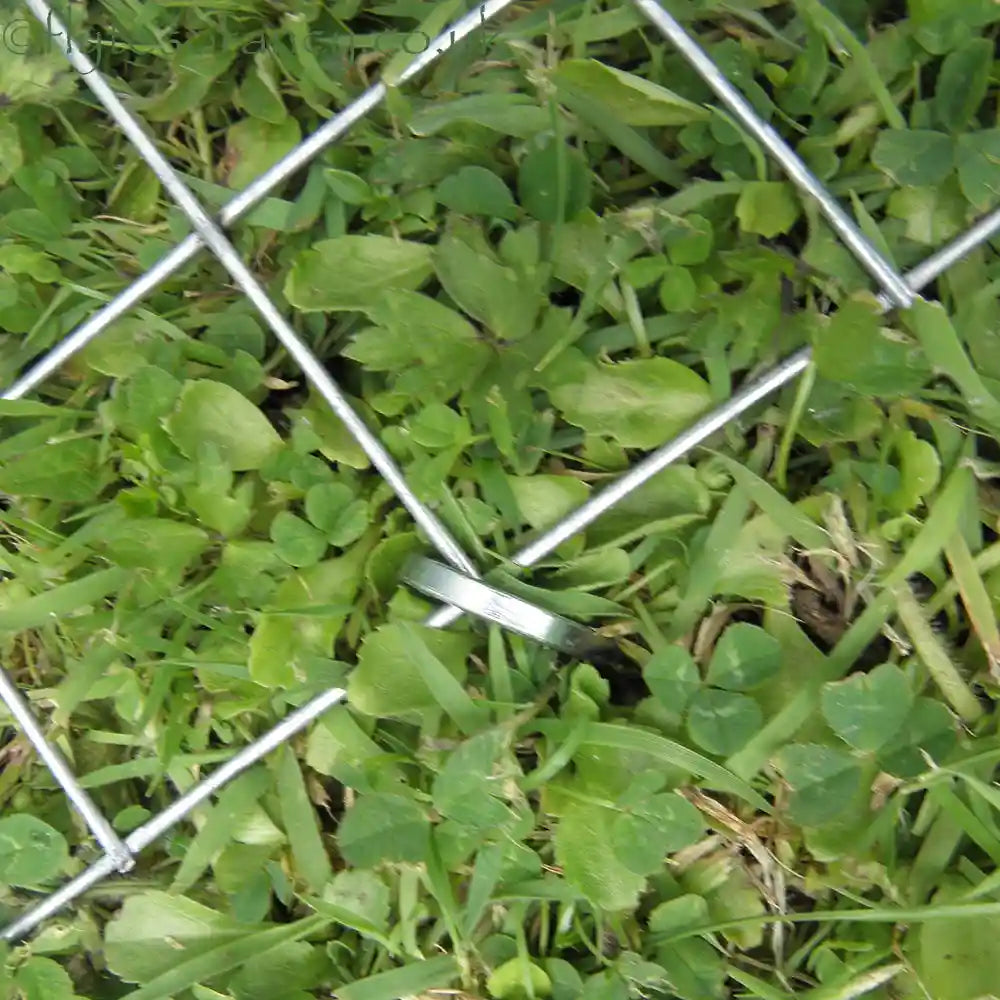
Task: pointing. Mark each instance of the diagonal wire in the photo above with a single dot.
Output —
(579, 519)
(772, 380)
(143, 836)
(215, 239)
(247, 199)
(877, 266)
(119, 856)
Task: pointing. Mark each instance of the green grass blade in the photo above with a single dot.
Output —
(603, 734)
(406, 981)
(299, 819)
(448, 692)
(42, 609)
(224, 958)
(842, 38)
(935, 657)
(974, 596)
(777, 507)
(235, 801)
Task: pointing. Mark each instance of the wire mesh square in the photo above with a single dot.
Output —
(895, 290)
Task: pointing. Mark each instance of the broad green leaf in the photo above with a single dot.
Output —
(17, 259)
(663, 824)
(545, 499)
(259, 95)
(929, 728)
(962, 82)
(347, 186)
(732, 894)
(215, 413)
(947, 510)
(332, 508)
(363, 894)
(31, 851)
(233, 954)
(768, 208)
(695, 969)
(679, 913)
(691, 243)
(539, 176)
(867, 710)
(625, 96)
(69, 472)
(932, 215)
(387, 680)
(507, 980)
(958, 959)
(43, 979)
(721, 722)
(477, 191)
(282, 644)
(159, 546)
(348, 918)
(919, 472)
(383, 828)
(467, 789)
(296, 541)
(27, 77)
(437, 427)
(744, 658)
(824, 782)
(583, 843)
(154, 930)
(418, 335)
(678, 290)
(195, 65)
(489, 292)
(672, 675)
(978, 156)
(352, 272)
(508, 114)
(334, 441)
(676, 491)
(858, 351)
(287, 971)
(339, 747)
(914, 157)
(588, 691)
(639, 973)
(640, 403)
(149, 395)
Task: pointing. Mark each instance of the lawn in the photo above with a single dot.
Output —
(527, 268)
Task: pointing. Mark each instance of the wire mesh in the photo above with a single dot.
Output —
(896, 290)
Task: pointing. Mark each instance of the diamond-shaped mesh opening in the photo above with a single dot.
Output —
(895, 289)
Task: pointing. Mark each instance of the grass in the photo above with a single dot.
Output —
(528, 268)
